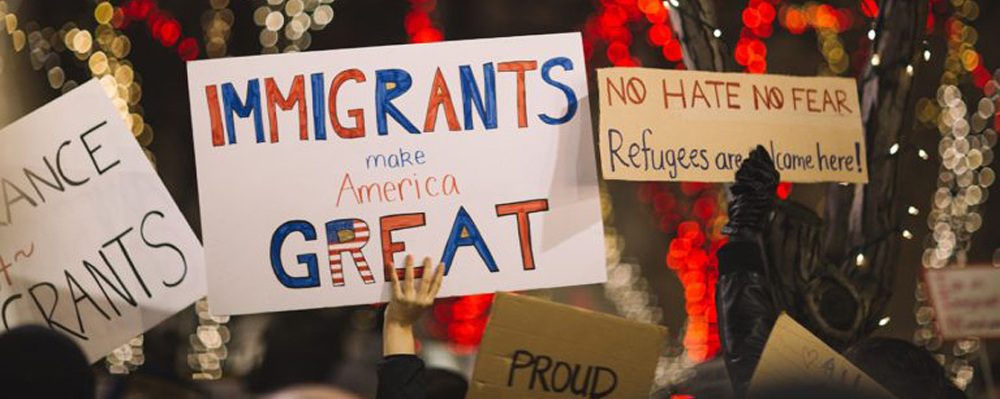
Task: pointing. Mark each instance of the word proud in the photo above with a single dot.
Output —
(478, 99)
(541, 372)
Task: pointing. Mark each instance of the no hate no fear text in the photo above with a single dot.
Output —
(711, 94)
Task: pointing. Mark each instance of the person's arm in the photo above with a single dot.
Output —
(401, 372)
(744, 303)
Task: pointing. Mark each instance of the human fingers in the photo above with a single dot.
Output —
(436, 281)
(408, 282)
(397, 290)
(425, 283)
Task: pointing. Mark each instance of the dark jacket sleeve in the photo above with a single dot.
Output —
(401, 377)
(745, 309)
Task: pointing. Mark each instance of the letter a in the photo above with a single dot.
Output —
(464, 233)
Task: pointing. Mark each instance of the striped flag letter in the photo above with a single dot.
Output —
(347, 235)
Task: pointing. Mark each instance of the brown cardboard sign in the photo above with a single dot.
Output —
(794, 356)
(534, 348)
(666, 125)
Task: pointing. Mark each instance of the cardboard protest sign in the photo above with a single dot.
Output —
(667, 125)
(966, 300)
(318, 169)
(793, 355)
(91, 244)
(533, 348)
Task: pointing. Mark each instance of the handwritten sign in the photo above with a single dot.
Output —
(666, 125)
(91, 244)
(793, 355)
(533, 348)
(967, 301)
(316, 170)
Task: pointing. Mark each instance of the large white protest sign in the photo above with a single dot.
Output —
(91, 244)
(318, 169)
(966, 300)
(699, 126)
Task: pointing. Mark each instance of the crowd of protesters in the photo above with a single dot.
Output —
(39, 363)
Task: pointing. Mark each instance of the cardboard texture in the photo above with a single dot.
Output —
(966, 300)
(316, 170)
(793, 355)
(534, 348)
(91, 243)
(667, 125)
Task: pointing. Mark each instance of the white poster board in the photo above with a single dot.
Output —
(91, 244)
(966, 300)
(316, 170)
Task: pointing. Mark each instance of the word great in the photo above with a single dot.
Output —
(348, 237)
(559, 376)
(477, 97)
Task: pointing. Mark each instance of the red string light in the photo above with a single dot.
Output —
(418, 23)
(161, 24)
(758, 19)
(692, 255)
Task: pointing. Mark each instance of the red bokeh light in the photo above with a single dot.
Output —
(188, 49)
(672, 50)
(162, 26)
(784, 189)
(691, 255)
(659, 34)
(869, 8)
(795, 21)
(617, 52)
(751, 18)
(168, 32)
(427, 35)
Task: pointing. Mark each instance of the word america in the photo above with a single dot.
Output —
(389, 85)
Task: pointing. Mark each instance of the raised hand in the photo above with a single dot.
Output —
(753, 194)
(409, 301)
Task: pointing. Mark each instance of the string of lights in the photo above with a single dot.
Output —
(966, 151)
(217, 23)
(286, 23)
(633, 298)
(418, 23)
(207, 345)
(758, 18)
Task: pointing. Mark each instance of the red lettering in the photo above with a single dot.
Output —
(215, 115)
(522, 210)
(357, 114)
(440, 95)
(519, 67)
(730, 95)
(296, 95)
(389, 247)
(667, 95)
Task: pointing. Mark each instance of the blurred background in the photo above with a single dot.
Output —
(661, 237)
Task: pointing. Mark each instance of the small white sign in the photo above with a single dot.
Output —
(967, 301)
(91, 244)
